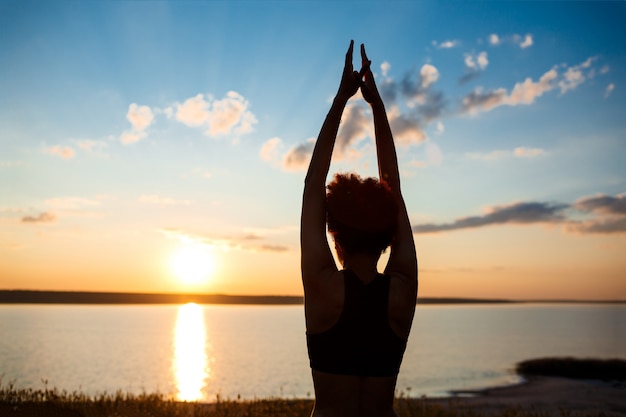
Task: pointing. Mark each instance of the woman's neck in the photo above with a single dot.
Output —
(364, 266)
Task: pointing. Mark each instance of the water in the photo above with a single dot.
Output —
(195, 352)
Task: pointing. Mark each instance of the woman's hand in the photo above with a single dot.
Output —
(368, 86)
(350, 80)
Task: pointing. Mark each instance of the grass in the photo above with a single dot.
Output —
(52, 402)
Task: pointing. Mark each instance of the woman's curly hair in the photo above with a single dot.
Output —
(362, 214)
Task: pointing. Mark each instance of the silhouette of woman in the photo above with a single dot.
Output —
(357, 319)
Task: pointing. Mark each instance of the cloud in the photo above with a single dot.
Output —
(524, 152)
(603, 204)
(612, 225)
(517, 213)
(446, 44)
(194, 111)
(298, 157)
(140, 118)
(246, 242)
(428, 75)
(519, 152)
(129, 137)
(523, 93)
(64, 152)
(41, 218)
(406, 128)
(523, 42)
(609, 89)
(575, 75)
(95, 147)
(608, 216)
(474, 65)
(270, 149)
(70, 203)
(478, 100)
(527, 42)
(162, 201)
(384, 68)
(476, 61)
(225, 116)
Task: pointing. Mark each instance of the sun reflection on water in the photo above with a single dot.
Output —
(190, 358)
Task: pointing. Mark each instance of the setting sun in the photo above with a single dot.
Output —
(193, 264)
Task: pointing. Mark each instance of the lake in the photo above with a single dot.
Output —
(196, 352)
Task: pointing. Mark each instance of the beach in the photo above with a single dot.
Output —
(547, 395)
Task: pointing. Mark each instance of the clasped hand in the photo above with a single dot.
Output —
(352, 80)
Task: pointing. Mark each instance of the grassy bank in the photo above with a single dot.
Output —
(52, 402)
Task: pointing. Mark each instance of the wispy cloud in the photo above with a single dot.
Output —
(65, 152)
(608, 216)
(516, 213)
(248, 242)
(522, 93)
(609, 89)
(519, 152)
(523, 42)
(70, 203)
(474, 65)
(40, 218)
(448, 44)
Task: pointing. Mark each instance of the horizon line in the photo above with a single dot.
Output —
(22, 296)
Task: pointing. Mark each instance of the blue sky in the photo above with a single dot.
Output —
(128, 128)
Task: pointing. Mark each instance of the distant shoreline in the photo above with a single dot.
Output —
(86, 297)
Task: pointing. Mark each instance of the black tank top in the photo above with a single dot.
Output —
(362, 342)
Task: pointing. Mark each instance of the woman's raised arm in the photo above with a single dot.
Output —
(316, 255)
(403, 259)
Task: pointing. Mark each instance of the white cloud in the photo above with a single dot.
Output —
(523, 152)
(129, 137)
(609, 89)
(519, 152)
(476, 61)
(270, 149)
(527, 42)
(446, 44)
(494, 39)
(385, 67)
(193, 112)
(429, 75)
(527, 91)
(64, 152)
(220, 117)
(140, 117)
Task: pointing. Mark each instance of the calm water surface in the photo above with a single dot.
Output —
(195, 352)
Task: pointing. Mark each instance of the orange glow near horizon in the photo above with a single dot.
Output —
(190, 358)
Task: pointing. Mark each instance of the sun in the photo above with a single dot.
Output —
(193, 264)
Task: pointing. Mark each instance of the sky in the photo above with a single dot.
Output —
(161, 146)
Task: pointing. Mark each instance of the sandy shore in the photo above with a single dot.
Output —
(547, 395)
